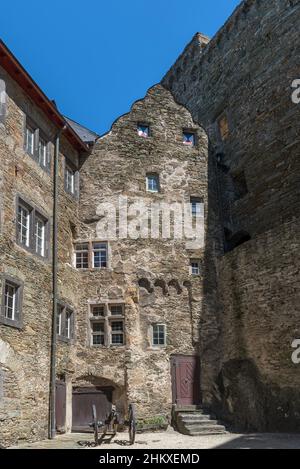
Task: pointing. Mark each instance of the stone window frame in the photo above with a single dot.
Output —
(64, 309)
(157, 176)
(194, 133)
(34, 213)
(107, 319)
(69, 165)
(90, 245)
(38, 135)
(164, 326)
(198, 262)
(19, 285)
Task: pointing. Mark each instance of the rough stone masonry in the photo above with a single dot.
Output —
(237, 317)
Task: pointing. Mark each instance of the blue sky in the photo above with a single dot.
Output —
(95, 57)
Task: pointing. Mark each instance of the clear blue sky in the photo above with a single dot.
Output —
(96, 57)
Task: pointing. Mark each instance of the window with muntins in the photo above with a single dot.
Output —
(91, 255)
(37, 145)
(195, 267)
(32, 229)
(71, 179)
(159, 335)
(65, 325)
(197, 206)
(107, 325)
(12, 291)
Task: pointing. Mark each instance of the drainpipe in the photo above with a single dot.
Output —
(52, 422)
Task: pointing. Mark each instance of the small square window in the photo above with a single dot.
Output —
(98, 311)
(143, 130)
(116, 310)
(195, 267)
(159, 335)
(153, 183)
(189, 138)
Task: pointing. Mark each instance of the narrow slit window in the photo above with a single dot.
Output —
(43, 150)
(40, 228)
(29, 140)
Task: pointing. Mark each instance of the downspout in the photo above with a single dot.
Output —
(52, 419)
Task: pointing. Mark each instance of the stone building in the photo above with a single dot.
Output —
(158, 321)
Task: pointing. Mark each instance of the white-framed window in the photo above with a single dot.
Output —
(32, 229)
(43, 152)
(82, 255)
(152, 182)
(10, 311)
(68, 324)
(10, 302)
(195, 267)
(99, 255)
(71, 179)
(29, 140)
(143, 130)
(23, 225)
(189, 138)
(60, 310)
(40, 239)
(159, 336)
(65, 323)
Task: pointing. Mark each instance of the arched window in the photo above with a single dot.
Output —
(2, 101)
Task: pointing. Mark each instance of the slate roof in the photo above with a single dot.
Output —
(86, 135)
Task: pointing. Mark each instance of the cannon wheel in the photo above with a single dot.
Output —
(95, 424)
(132, 424)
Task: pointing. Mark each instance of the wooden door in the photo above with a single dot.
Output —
(185, 380)
(60, 406)
(82, 401)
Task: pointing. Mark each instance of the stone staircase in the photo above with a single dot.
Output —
(195, 421)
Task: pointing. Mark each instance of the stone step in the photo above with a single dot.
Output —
(205, 430)
(193, 423)
(195, 416)
(188, 408)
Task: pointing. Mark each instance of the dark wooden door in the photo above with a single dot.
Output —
(60, 407)
(82, 402)
(185, 380)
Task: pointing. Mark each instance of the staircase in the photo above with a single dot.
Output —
(194, 421)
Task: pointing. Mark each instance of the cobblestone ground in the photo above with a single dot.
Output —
(174, 440)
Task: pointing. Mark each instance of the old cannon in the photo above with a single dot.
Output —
(108, 429)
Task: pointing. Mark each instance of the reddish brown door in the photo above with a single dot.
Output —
(82, 401)
(60, 406)
(185, 380)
